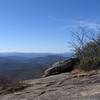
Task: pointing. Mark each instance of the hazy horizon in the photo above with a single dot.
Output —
(35, 52)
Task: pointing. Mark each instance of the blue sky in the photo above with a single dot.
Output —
(44, 25)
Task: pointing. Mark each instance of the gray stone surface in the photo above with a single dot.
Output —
(65, 86)
(61, 67)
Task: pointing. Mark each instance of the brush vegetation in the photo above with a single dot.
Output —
(87, 48)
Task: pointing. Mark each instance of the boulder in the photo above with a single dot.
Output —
(61, 67)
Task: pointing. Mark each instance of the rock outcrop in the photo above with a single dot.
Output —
(66, 86)
(61, 67)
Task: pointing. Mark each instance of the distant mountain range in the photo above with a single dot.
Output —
(20, 66)
(32, 55)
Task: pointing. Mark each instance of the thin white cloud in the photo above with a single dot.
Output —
(74, 24)
(83, 23)
(88, 24)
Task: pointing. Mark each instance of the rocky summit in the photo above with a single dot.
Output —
(66, 86)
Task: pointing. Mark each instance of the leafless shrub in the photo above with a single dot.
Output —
(86, 44)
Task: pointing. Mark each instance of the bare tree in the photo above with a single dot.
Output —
(80, 38)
